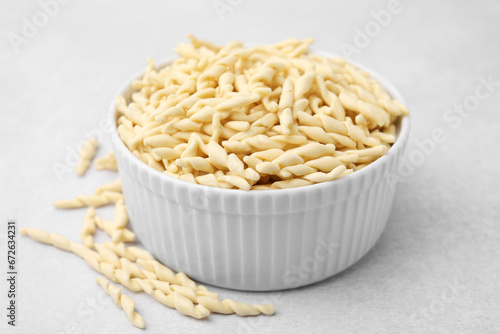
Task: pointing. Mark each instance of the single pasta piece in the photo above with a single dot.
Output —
(90, 256)
(95, 200)
(228, 306)
(88, 228)
(122, 301)
(115, 186)
(121, 215)
(60, 242)
(86, 155)
(108, 162)
(322, 177)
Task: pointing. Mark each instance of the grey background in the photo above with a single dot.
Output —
(436, 267)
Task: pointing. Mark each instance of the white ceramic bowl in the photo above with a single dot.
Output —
(259, 240)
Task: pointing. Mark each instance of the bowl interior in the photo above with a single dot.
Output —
(402, 130)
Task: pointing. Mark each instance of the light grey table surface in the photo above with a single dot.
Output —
(436, 267)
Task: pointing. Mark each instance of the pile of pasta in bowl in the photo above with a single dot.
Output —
(257, 118)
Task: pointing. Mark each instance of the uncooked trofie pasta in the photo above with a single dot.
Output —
(263, 117)
(122, 301)
(86, 155)
(135, 268)
(107, 162)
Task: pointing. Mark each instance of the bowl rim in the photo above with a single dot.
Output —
(399, 144)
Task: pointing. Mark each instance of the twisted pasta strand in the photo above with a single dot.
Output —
(130, 253)
(123, 301)
(92, 258)
(108, 162)
(114, 186)
(86, 155)
(95, 200)
(60, 242)
(121, 215)
(166, 274)
(228, 306)
(88, 228)
(181, 304)
(162, 292)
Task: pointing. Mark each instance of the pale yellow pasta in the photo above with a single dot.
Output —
(130, 253)
(217, 155)
(324, 164)
(115, 186)
(232, 117)
(292, 183)
(190, 292)
(116, 233)
(269, 154)
(59, 242)
(95, 200)
(135, 268)
(296, 170)
(166, 274)
(122, 301)
(88, 228)
(108, 264)
(208, 180)
(182, 304)
(136, 280)
(107, 162)
(267, 167)
(228, 306)
(196, 163)
(237, 181)
(314, 150)
(114, 260)
(86, 155)
(121, 215)
(322, 177)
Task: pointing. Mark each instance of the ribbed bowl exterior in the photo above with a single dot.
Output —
(260, 240)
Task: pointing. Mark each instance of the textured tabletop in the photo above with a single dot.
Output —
(436, 268)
